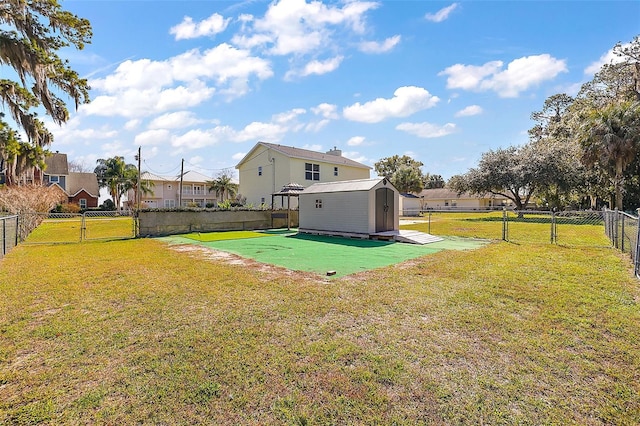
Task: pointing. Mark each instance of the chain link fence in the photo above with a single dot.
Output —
(8, 234)
(60, 228)
(622, 229)
(580, 228)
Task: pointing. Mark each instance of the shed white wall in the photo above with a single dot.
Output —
(349, 212)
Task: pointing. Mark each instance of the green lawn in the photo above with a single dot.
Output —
(136, 332)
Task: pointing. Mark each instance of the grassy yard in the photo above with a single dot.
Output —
(135, 332)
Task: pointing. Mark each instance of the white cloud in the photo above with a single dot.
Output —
(132, 124)
(153, 137)
(356, 141)
(326, 110)
(142, 103)
(316, 147)
(469, 111)
(238, 156)
(261, 131)
(297, 27)
(174, 120)
(469, 77)
(442, 14)
(322, 67)
(316, 126)
(376, 47)
(288, 116)
(144, 87)
(427, 130)
(356, 156)
(315, 67)
(406, 101)
(520, 75)
(199, 138)
(607, 58)
(72, 131)
(211, 26)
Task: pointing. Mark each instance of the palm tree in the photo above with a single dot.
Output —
(610, 138)
(224, 186)
(146, 186)
(117, 176)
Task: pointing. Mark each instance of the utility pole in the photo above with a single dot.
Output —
(180, 191)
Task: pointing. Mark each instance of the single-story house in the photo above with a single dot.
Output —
(409, 205)
(352, 207)
(445, 199)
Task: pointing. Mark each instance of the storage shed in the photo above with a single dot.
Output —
(363, 207)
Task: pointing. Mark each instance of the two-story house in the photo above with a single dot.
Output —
(167, 193)
(80, 188)
(268, 167)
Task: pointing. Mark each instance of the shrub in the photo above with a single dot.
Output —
(27, 200)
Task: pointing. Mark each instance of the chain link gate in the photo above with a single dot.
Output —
(60, 228)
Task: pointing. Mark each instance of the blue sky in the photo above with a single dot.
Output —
(442, 82)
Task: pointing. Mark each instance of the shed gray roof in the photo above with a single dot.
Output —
(76, 182)
(343, 186)
(306, 154)
(56, 164)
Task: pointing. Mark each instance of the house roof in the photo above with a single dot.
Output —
(189, 176)
(448, 194)
(76, 182)
(57, 164)
(305, 154)
(343, 186)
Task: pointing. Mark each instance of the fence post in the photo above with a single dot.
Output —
(83, 228)
(429, 226)
(636, 260)
(4, 237)
(616, 219)
(553, 226)
(504, 225)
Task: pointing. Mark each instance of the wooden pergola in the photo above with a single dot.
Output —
(289, 190)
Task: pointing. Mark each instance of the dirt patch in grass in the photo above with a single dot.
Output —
(268, 271)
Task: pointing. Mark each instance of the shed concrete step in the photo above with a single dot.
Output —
(416, 237)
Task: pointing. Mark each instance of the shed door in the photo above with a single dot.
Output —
(384, 209)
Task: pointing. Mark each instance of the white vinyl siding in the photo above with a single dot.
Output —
(331, 216)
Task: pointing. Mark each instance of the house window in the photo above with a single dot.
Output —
(169, 204)
(318, 204)
(335, 171)
(54, 179)
(83, 203)
(311, 171)
(259, 170)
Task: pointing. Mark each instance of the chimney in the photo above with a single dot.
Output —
(335, 151)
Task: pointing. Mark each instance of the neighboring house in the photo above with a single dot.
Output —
(354, 207)
(409, 205)
(166, 191)
(269, 167)
(443, 198)
(80, 188)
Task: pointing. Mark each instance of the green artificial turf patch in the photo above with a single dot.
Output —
(225, 235)
(320, 253)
